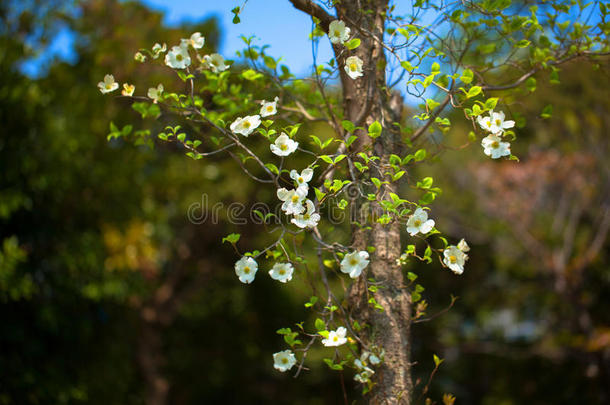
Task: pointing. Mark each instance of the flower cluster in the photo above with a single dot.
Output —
(338, 33)
(108, 85)
(455, 256)
(496, 125)
(246, 269)
(178, 57)
(295, 201)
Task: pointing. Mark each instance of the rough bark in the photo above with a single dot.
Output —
(365, 100)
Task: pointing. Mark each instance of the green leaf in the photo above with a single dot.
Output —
(474, 91)
(407, 66)
(319, 324)
(420, 155)
(524, 43)
(251, 75)
(319, 194)
(312, 302)
(437, 360)
(348, 126)
(491, 103)
(353, 44)
(375, 129)
(530, 84)
(231, 238)
(467, 76)
(547, 112)
(432, 104)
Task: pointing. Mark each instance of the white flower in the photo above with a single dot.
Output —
(364, 376)
(215, 62)
(495, 123)
(419, 223)
(293, 200)
(303, 178)
(455, 259)
(139, 57)
(158, 49)
(196, 40)
(353, 67)
(246, 269)
(155, 93)
(463, 246)
(245, 126)
(365, 372)
(338, 33)
(494, 147)
(178, 57)
(269, 107)
(374, 360)
(335, 337)
(281, 272)
(284, 360)
(309, 219)
(283, 145)
(108, 85)
(353, 263)
(128, 89)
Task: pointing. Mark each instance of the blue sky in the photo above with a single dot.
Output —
(275, 22)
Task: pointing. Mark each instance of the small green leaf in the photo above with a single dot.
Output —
(467, 76)
(375, 129)
(231, 238)
(353, 44)
(474, 91)
(348, 126)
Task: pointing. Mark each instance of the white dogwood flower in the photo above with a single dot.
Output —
(128, 89)
(215, 62)
(463, 246)
(269, 107)
(419, 223)
(302, 178)
(293, 200)
(196, 40)
(335, 337)
(284, 360)
(108, 85)
(283, 145)
(178, 57)
(281, 272)
(494, 147)
(495, 122)
(158, 49)
(338, 33)
(155, 93)
(353, 263)
(353, 67)
(139, 57)
(309, 219)
(455, 259)
(246, 269)
(245, 126)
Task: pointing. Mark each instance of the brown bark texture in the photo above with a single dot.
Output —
(364, 101)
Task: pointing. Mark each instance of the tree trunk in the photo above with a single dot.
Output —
(366, 100)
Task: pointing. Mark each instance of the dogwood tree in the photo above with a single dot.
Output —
(482, 58)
